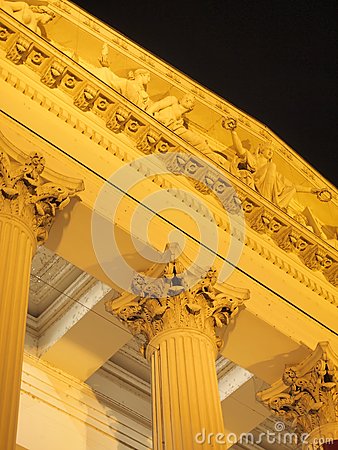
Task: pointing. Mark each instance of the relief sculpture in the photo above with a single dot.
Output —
(33, 16)
(171, 112)
(257, 169)
(133, 88)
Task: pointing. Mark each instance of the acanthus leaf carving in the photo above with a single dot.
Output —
(86, 97)
(18, 51)
(148, 140)
(169, 303)
(205, 179)
(331, 273)
(255, 219)
(118, 118)
(53, 75)
(315, 258)
(307, 394)
(26, 195)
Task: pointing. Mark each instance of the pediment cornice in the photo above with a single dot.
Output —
(175, 78)
(85, 95)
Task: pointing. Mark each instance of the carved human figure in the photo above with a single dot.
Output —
(259, 171)
(171, 112)
(30, 15)
(133, 88)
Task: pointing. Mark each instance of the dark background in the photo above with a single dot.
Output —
(275, 60)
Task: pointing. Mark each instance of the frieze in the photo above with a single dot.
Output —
(90, 96)
(101, 106)
(70, 81)
(108, 35)
(134, 127)
(5, 33)
(169, 73)
(36, 58)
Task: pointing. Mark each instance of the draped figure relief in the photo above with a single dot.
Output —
(259, 171)
(133, 88)
(255, 168)
(171, 112)
(33, 16)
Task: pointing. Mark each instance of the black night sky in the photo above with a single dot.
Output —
(276, 60)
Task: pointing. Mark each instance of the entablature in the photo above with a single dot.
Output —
(104, 107)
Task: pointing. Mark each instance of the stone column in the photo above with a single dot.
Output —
(27, 209)
(177, 325)
(307, 396)
(186, 402)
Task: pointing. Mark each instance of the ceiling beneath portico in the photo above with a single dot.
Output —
(56, 285)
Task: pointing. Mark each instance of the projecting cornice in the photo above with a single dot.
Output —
(136, 55)
(104, 107)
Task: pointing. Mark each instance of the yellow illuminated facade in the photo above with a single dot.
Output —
(178, 261)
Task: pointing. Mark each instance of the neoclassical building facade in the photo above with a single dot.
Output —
(169, 266)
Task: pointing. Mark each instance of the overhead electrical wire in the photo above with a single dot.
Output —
(126, 330)
(146, 207)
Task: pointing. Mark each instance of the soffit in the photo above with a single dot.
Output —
(51, 275)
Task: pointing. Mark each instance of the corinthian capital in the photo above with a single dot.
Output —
(307, 394)
(172, 301)
(27, 195)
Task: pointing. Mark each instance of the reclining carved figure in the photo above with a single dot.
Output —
(33, 16)
(171, 112)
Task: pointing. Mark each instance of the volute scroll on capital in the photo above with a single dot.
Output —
(170, 303)
(27, 195)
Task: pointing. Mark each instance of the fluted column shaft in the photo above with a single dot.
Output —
(186, 406)
(177, 325)
(17, 244)
(28, 204)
